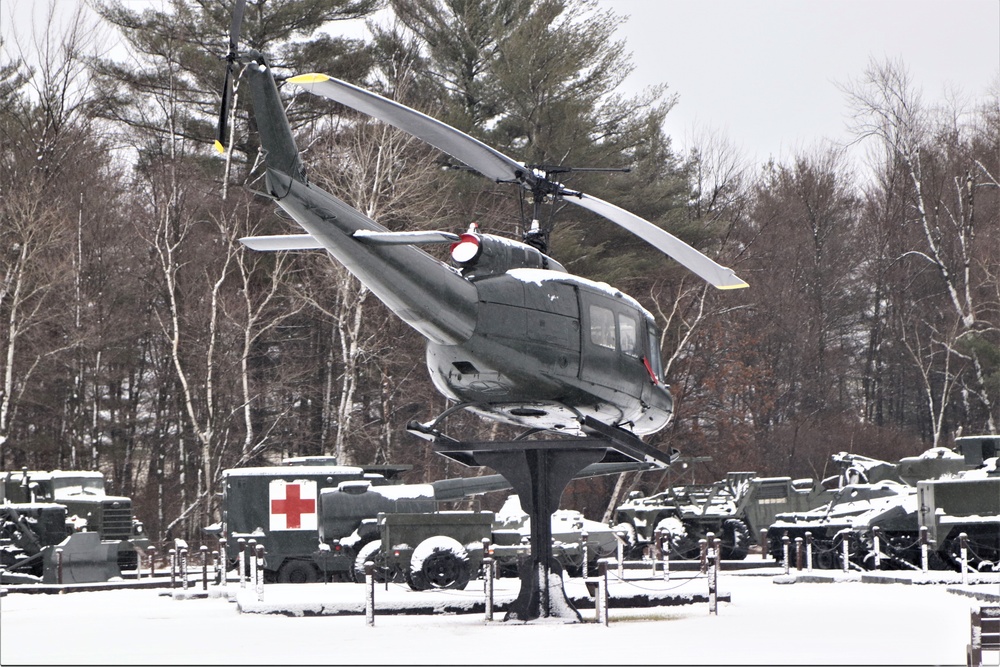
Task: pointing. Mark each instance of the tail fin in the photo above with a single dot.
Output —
(280, 152)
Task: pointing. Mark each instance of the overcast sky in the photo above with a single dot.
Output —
(765, 73)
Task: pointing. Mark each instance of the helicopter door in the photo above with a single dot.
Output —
(613, 344)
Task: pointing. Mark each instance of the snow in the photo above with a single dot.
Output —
(847, 622)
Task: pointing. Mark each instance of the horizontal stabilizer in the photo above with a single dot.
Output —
(404, 238)
(282, 242)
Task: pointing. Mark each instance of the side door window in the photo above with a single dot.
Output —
(602, 327)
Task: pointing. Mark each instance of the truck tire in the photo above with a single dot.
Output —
(735, 540)
(369, 551)
(295, 571)
(439, 562)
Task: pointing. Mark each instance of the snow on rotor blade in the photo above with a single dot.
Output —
(715, 274)
(282, 242)
(404, 238)
(472, 152)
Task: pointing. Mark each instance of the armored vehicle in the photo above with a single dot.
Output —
(734, 509)
(948, 491)
(88, 507)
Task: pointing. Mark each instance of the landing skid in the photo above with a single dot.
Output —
(539, 471)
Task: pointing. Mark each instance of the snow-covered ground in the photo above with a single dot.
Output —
(765, 623)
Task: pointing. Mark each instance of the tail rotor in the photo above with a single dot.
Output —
(231, 61)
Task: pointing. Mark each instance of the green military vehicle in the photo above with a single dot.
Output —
(88, 508)
(733, 509)
(948, 491)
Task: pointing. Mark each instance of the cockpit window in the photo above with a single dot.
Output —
(602, 327)
(655, 362)
(628, 334)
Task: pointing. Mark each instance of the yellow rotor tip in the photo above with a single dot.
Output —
(219, 147)
(309, 78)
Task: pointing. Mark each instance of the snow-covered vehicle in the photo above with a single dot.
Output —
(733, 509)
(948, 491)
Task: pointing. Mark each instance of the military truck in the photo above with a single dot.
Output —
(278, 507)
(88, 507)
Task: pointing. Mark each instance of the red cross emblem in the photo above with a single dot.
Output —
(293, 505)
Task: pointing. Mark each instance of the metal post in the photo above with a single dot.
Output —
(59, 566)
(260, 572)
(602, 592)
(923, 549)
(242, 544)
(218, 570)
(703, 549)
(665, 553)
(223, 560)
(204, 567)
(713, 577)
(763, 544)
(584, 550)
(370, 593)
(152, 561)
(621, 558)
(809, 551)
(846, 548)
(784, 550)
(173, 568)
(798, 554)
(488, 575)
(184, 568)
(253, 565)
(877, 545)
(964, 546)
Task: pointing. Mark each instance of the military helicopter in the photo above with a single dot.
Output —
(511, 335)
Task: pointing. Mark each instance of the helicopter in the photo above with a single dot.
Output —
(510, 334)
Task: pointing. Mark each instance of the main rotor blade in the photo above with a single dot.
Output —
(459, 145)
(715, 274)
(227, 92)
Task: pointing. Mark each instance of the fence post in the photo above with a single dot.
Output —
(923, 549)
(152, 561)
(370, 593)
(713, 577)
(242, 558)
(184, 568)
(846, 550)
(252, 562)
(585, 550)
(764, 546)
(217, 577)
(224, 560)
(204, 567)
(260, 572)
(621, 558)
(703, 549)
(784, 550)
(173, 567)
(666, 557)
(488, 575)
(809, 551)
(59, 566)
(602, 591)
(798, 554)
(964, 546)
(877, 544)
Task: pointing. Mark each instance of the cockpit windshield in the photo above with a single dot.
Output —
(75, 486)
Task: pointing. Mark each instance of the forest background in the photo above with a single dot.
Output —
(139, 338)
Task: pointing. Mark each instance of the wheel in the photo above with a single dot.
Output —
(626, 531)
(370, 551)
(439, 562)
(297, 572)
(682, 543)
(735, 540)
